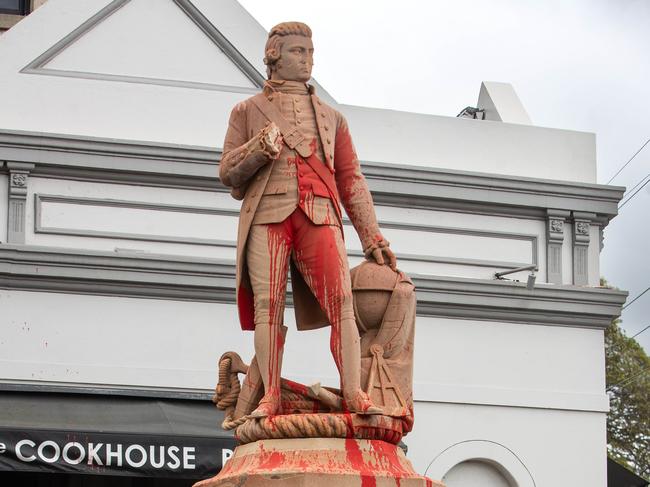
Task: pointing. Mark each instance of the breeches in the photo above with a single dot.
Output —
(319, 254)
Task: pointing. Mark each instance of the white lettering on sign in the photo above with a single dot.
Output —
(117, 454)
(41, 451)
(81, 450)
(143, 456)
(110, 454)
(188, 454)
(175, 463)
(161, 458)
(225, 455)
(3, 448)
(19, 452)
(92, 453)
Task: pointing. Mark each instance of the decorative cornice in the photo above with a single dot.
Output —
(179, 166)
(212, 280)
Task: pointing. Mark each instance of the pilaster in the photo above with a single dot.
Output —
(18, 180)
(581, 238)
(554, 242)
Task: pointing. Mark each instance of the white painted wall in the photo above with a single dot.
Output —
(537, 447)
(475, 362)
(468, 374)
(113, 340)
(509, 364)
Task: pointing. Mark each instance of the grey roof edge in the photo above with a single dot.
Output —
(23, 139)
(71, 271)
(105, 390)
(193, 167)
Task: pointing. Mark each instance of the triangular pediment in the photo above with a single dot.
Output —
(166, 42)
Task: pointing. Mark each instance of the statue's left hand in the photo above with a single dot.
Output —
(382, 254)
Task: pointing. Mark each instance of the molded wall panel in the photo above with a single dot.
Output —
(103, 216)
(4, 206)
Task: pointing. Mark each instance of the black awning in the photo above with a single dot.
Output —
(111, 435)
(619, 476)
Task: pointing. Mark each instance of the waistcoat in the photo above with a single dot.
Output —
(293, 183)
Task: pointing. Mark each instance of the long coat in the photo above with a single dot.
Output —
(246, 121)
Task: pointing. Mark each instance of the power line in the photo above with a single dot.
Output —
(637, 184)
(629, 160)
(647, 289)
(634, 194)
(629, 379)
(638, 333)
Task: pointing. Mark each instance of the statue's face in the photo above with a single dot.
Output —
(296, 59)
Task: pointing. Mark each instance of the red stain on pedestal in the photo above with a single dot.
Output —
(355, 457)
(368, 461)
(272, 460)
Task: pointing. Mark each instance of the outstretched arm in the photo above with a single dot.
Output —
(242, 157)
(357, 200)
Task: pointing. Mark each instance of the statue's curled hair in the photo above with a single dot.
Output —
(274, 42)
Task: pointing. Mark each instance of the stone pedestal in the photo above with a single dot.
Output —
(316, 462)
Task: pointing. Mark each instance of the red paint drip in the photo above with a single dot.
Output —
(279, 246)
(355, 458)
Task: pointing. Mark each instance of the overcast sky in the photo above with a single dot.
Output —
(575, 64)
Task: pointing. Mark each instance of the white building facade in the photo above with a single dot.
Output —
(117, 240)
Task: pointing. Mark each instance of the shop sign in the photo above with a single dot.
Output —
(113, 453)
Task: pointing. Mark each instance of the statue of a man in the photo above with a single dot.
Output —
(290, 157)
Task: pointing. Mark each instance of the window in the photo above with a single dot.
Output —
(16, 7)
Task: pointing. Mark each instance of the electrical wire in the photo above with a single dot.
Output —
(637, 184)
(635, 193)
(628, 304)
(629, 160)
(629, 379)
(638, 333)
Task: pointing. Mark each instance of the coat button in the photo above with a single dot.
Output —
(322, 114)
(270, 97)
(329, 141)
(248, 209)
(326, 128)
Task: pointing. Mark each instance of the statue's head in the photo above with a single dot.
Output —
(289, 52)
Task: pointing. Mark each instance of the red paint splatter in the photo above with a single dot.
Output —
(246, 308)
(355, 458)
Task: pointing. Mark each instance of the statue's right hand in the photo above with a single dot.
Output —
(271, 141)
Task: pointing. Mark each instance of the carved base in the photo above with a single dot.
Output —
(318, 462)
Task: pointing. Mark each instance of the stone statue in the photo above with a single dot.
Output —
(290, 157)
